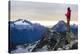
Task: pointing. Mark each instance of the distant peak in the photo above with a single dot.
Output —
(61, 21)
(18, 20)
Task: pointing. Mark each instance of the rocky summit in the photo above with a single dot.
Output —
(33, 37)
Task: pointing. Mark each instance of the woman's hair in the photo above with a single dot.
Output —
(68, 8)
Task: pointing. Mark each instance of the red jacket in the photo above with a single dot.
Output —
(68, 14)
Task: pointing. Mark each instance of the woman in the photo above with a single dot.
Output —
(68, 16)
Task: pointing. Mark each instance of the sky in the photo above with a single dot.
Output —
(41, 11)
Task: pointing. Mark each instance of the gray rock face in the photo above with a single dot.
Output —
(60, 27)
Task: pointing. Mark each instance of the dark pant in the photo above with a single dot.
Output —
(68, 24)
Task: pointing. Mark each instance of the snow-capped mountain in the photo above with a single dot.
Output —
(23, 31)
(21, 24)
(32, 34)
(62, 27)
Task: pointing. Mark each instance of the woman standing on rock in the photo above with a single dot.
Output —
(68, 16)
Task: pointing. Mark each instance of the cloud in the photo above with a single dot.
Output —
(41, 11)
